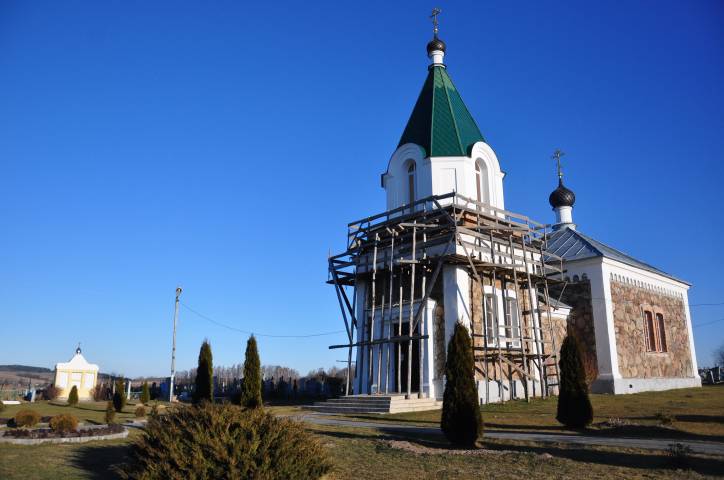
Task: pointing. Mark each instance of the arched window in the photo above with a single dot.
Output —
(411, 182)
(481, 182)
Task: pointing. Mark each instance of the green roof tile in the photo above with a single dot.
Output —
(440, 122)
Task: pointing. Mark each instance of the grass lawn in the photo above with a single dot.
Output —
(697, 414)
(367, 452)
(90, 412)
(376, 455)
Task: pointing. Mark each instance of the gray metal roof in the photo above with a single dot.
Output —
(573, 245)
(553, 302)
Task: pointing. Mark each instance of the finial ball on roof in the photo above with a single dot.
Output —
(435, 44)
(561, 196)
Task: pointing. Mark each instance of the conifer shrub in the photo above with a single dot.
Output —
(110, 417)
(225, 441)
(51, 392)
(140, 411)
(461, 421)
(204, 391)
(73, 396)
(251, 384)
(154, 410)
(27, 418)
(119, 398)
(64, 423)
(145, 394)
(574, 406)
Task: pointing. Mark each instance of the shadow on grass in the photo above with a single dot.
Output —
(101, 461)
(699, 464)
(687, 418)
(700, 418)
(652, 431)
(528, 428)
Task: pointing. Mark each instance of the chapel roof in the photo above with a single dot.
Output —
(571, 245)
(440, 122)
(78, 362)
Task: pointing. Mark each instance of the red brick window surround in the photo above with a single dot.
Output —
(654, 332)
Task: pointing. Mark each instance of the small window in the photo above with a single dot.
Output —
(491, 320)
(411, 182)
(512, 325)
(478, 180)
(661, 333)
(649, 331)
(655, 332)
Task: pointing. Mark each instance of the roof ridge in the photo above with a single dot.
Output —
(463, 150)
(432, 110)
(467, 110)
(589, 241)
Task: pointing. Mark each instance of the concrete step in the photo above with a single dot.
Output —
(345, 410)
(375, 404)
(346, 401)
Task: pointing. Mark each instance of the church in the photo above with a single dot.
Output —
(446, 250)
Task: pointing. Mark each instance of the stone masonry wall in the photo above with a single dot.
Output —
(578, 296)
(633, 359)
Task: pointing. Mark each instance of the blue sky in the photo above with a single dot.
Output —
(224, 147)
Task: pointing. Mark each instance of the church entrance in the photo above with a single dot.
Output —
(415, 387)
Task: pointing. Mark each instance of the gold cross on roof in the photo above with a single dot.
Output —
(435, 12)
(557, 154)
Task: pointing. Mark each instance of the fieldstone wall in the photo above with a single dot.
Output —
(578, 296)
(633, 359)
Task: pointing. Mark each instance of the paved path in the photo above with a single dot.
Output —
(709, 448)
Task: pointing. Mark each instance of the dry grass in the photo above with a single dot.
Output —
(697, 413)
(371, 454)
(368, 454)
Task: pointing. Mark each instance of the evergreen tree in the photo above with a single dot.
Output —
(574, 406)
(119, 397)
(145, 394)
(204, 391)
(73, 396)
(251, 386)
(154, 391)
(110, 413)
(461, 421)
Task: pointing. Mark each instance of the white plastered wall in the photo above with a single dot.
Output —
(442, 175)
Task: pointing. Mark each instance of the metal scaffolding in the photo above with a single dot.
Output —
(405, 249)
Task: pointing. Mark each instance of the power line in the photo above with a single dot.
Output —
(248, 332)
(708, 323)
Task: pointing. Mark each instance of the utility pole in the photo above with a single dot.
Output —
(173, 348)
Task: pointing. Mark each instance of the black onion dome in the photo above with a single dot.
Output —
(561, 196)
(435, 44)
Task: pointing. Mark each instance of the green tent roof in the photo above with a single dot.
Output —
(440, 122)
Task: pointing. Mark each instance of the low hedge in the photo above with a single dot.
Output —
(27, 418)
(225, 441)
(64, 423)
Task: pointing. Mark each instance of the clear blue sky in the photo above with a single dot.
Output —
(224, 146)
